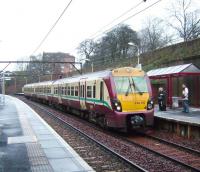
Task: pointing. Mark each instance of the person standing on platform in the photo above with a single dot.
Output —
(162, 99)
(185, 93)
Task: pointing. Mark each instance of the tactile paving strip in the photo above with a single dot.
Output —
(44, 168)
(34, 150)
(26, 128)
(37, 158)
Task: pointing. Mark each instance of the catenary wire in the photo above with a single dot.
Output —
(135, 14)
(48, 33)
(53, 26)
(123, 14)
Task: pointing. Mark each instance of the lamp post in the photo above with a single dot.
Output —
(2, 98)
(138, 54)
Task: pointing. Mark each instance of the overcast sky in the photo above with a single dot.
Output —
(24, 23)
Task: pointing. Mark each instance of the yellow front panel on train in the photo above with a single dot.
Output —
(133, 101)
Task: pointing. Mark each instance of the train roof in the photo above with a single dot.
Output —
(39, 83)
(88, 76)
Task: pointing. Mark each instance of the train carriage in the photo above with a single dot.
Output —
(118, 98)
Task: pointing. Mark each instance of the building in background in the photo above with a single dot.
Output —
(58, 70)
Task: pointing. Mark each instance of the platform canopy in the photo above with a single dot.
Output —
(174, 71)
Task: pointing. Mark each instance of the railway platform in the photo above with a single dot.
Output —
(184, 124)
(28, 143)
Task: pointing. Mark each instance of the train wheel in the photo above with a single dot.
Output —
(81, 114)
(102, 122)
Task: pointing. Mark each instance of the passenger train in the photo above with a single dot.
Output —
(119, 98)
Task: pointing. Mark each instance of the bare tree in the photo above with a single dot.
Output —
(21, 66)
(185, 21)
(86, 48)
(153, 36)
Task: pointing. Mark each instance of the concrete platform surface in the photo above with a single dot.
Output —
(29, 144)
(192, 118)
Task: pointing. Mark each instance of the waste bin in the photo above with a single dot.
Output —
(175, 103)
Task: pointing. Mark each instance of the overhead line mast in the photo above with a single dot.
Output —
(48, 33)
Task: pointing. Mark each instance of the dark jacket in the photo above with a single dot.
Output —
(162, 97)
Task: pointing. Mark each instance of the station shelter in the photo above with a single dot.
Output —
(172, 78)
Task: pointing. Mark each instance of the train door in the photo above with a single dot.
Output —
(82, 95)
(101, 91)
(59, 94)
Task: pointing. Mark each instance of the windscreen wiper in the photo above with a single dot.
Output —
(135, 86)
(129, 86)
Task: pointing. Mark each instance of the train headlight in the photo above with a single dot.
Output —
(118, 108)
(150, 104)
(117, 105)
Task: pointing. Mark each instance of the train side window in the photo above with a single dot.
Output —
(89, 91)
(101, 90)
(72, 91)
(94, 91)
(76, 90)
(68, 90)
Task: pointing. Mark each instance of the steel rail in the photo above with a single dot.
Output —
(124, 139)
(163, 155)
(133, 165)
(174, 144)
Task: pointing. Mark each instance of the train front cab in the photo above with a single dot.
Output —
(133, 105)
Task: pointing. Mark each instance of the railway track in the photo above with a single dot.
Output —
(195, 151)
(91, 152)
(126, 153)
(183, 155)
